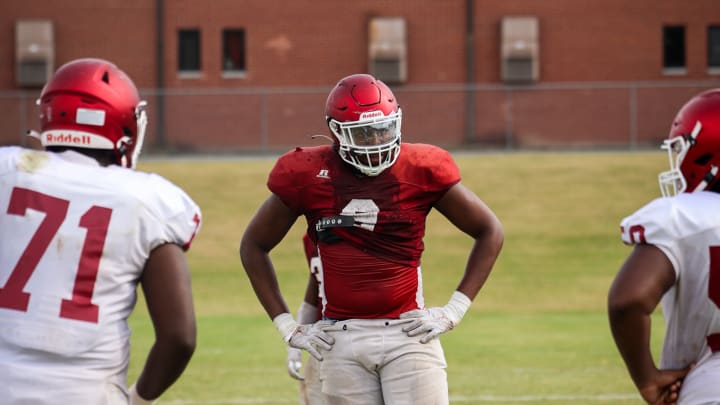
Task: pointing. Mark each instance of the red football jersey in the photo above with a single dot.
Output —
(369, 230)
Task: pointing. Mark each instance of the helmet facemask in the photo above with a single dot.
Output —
(126, 143)
(673, 181)
(371, 144)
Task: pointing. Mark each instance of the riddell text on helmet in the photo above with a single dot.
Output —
(68, 139)
(371, 114)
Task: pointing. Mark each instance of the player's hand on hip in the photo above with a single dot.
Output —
(312, 338)
(665, 387)
(294, 363)
(430, 322)
(437, 320)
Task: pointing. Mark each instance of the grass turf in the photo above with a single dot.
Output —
(537, 332)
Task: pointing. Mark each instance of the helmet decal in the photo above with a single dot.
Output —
(90, 117)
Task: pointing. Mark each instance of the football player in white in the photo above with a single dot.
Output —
(79, 230)
(675, 262)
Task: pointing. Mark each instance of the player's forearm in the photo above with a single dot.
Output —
(267, 291)
(631, 331)
(261, 273)
(164, 365)
(480, 262)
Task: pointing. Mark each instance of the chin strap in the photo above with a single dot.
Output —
(707, 179)
(322, 136)
(712, 173)
(121, 151)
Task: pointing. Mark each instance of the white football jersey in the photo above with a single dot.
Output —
(687, 229)
(74, 239)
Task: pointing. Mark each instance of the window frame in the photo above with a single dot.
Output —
(185, 54)
(234, 36)
(674, 61)
(713, 58)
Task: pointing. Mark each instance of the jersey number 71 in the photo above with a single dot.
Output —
(96, 220)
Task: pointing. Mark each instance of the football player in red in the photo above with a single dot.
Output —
(675, 263)
(79, 230)
(366, 198)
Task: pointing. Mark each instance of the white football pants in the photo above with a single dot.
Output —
(374, 362)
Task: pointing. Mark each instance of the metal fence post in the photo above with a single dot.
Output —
(633, 116)
(508, 118)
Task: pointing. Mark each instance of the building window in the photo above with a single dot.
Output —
(233, 50)
(713, 44)
(674, 49)
(189, 50)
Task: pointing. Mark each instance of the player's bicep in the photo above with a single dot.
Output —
(464, 209)
(269, 225)
(642, 280)
(167, 288)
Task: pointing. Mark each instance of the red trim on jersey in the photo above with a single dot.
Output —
(714, 342)
(196, 219)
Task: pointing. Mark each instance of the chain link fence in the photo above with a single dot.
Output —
(597, 115)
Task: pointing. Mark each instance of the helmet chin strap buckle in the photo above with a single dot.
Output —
(707, 179)
(691, 138)
(121, 149)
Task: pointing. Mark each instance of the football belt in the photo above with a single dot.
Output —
(324, 226)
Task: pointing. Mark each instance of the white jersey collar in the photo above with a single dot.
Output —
(77, 157)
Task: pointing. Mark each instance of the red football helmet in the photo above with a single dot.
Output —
(693, 146)
(365, 118)
(90, 103)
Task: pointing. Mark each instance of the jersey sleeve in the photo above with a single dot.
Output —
(655, 224)
(432, 168)
(281, 180)
(294, 171)
(177, 217)
(7, 158)
(446, 171)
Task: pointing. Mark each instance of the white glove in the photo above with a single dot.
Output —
(136, 399)
(306, 314)
(435, 321)
(307, 337)
(294, 363)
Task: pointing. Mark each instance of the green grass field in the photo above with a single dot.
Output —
(536, 334)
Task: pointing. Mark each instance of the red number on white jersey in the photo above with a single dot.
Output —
(96, 220)
(714, 291)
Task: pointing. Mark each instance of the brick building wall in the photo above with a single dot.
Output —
(601, 79)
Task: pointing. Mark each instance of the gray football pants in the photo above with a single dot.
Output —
(373, 362)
